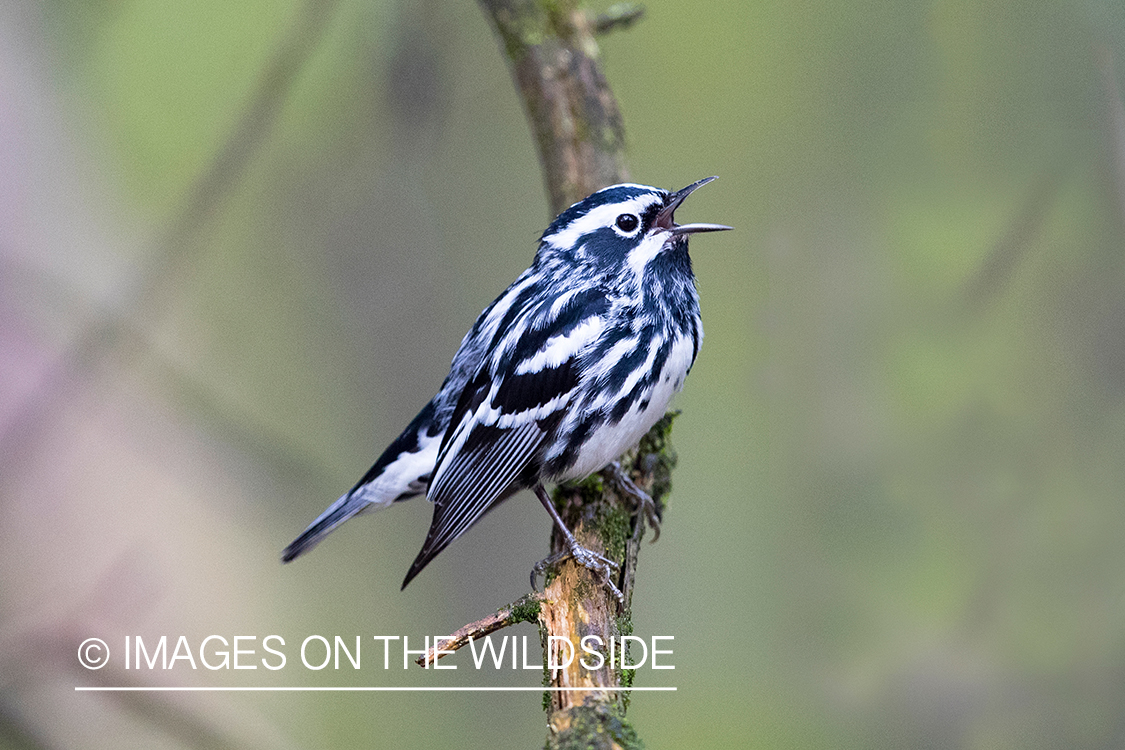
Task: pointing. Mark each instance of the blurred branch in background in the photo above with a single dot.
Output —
(1115, 123)
(1013, 246)
(117, 330)
(29, 648)
(18, 734)
(1025, 228)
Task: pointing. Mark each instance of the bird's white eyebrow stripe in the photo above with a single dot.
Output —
(598, 217)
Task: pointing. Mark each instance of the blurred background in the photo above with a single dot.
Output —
(240, 242)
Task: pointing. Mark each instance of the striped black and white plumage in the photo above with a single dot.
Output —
(563, 372)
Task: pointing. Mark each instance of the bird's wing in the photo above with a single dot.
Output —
(506, 412)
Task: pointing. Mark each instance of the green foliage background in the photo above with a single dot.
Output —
(897, 519)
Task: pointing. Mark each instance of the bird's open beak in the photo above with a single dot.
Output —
(666, 220)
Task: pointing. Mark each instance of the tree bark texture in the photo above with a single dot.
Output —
(574, 117)
(577, 128)
(576, 605)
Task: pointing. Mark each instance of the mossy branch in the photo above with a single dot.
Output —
(576, 604)
(524, 609)
(576, 124)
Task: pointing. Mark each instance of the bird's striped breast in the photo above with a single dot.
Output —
(622, 394)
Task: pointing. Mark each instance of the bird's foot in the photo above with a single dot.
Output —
(643, 501)
(588, 559)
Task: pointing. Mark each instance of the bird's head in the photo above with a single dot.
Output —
(622, 228)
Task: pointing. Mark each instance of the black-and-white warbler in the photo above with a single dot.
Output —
(561, 374)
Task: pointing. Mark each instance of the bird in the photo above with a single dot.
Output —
(566, 370)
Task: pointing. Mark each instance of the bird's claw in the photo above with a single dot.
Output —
(588, 559)
(644, 502)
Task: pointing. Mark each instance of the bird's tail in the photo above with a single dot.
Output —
(401, 472)
(347, 506)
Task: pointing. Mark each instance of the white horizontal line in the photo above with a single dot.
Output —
(420, 689)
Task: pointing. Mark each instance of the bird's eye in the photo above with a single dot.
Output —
(627, 222)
